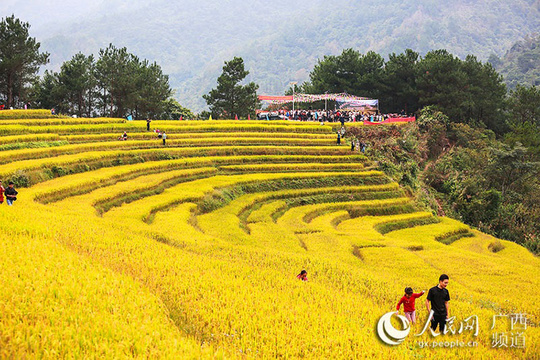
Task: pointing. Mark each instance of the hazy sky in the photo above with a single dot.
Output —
(41, 12)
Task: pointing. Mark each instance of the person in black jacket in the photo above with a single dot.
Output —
(439, 298)
(11, 194)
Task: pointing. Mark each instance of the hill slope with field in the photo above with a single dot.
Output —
(131, 248)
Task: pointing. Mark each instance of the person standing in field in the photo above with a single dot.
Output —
(302, 276)
(2, 193)
(408, 301)
(439, 298)
(164, 137)
(148, 121)
(338, 138)
(363, 146)
(11, 194)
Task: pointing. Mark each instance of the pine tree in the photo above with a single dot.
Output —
(230, 98)
(20, 60)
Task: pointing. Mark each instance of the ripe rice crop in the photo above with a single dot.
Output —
(169, 128)
(61, 121)
(28, 138)
(39, 169)
(191, 251)
(26, 114)
(8, 156)
(77, 184)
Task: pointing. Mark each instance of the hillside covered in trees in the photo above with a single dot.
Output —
(280, 41)
(465, 172)
(521, 63)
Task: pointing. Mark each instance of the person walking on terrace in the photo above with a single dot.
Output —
(408, 301)
(439, 298)
(302, 276)
(2, 190)
(11, 194)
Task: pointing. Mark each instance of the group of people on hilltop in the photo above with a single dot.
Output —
(10, 193)
(338, 115)
(26, 106)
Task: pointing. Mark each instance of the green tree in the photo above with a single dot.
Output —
(336, 74)
(442, 83)
(524, 106)
(45, 91)
(350, 72)
(467, 91)
(230, 98)
(20, 60)
(523, 114)
(485, 92)
(400, 73)
(153, 90)
(116, 75)
(128, 85)
(297, 88)
(76, 85)
(510, 168)
(370, 77)
(172, 110)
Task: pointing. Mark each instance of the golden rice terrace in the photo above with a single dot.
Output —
(121, 249)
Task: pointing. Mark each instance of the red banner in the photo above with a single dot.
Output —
(391, 120)
(276, 98)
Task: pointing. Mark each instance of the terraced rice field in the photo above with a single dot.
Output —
(121, 249)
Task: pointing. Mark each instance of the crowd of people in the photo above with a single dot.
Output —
(336, 115)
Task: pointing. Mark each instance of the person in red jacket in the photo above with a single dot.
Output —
(302, 276)
(408, 304)
(1, 193)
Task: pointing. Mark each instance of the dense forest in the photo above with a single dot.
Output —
(466, 90)
(280, 41)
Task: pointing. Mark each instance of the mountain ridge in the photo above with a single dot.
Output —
(282, 41)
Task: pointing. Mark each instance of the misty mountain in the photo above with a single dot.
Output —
(521, 63)
(280, 41)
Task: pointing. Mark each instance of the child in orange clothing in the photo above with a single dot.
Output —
(408, 304)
